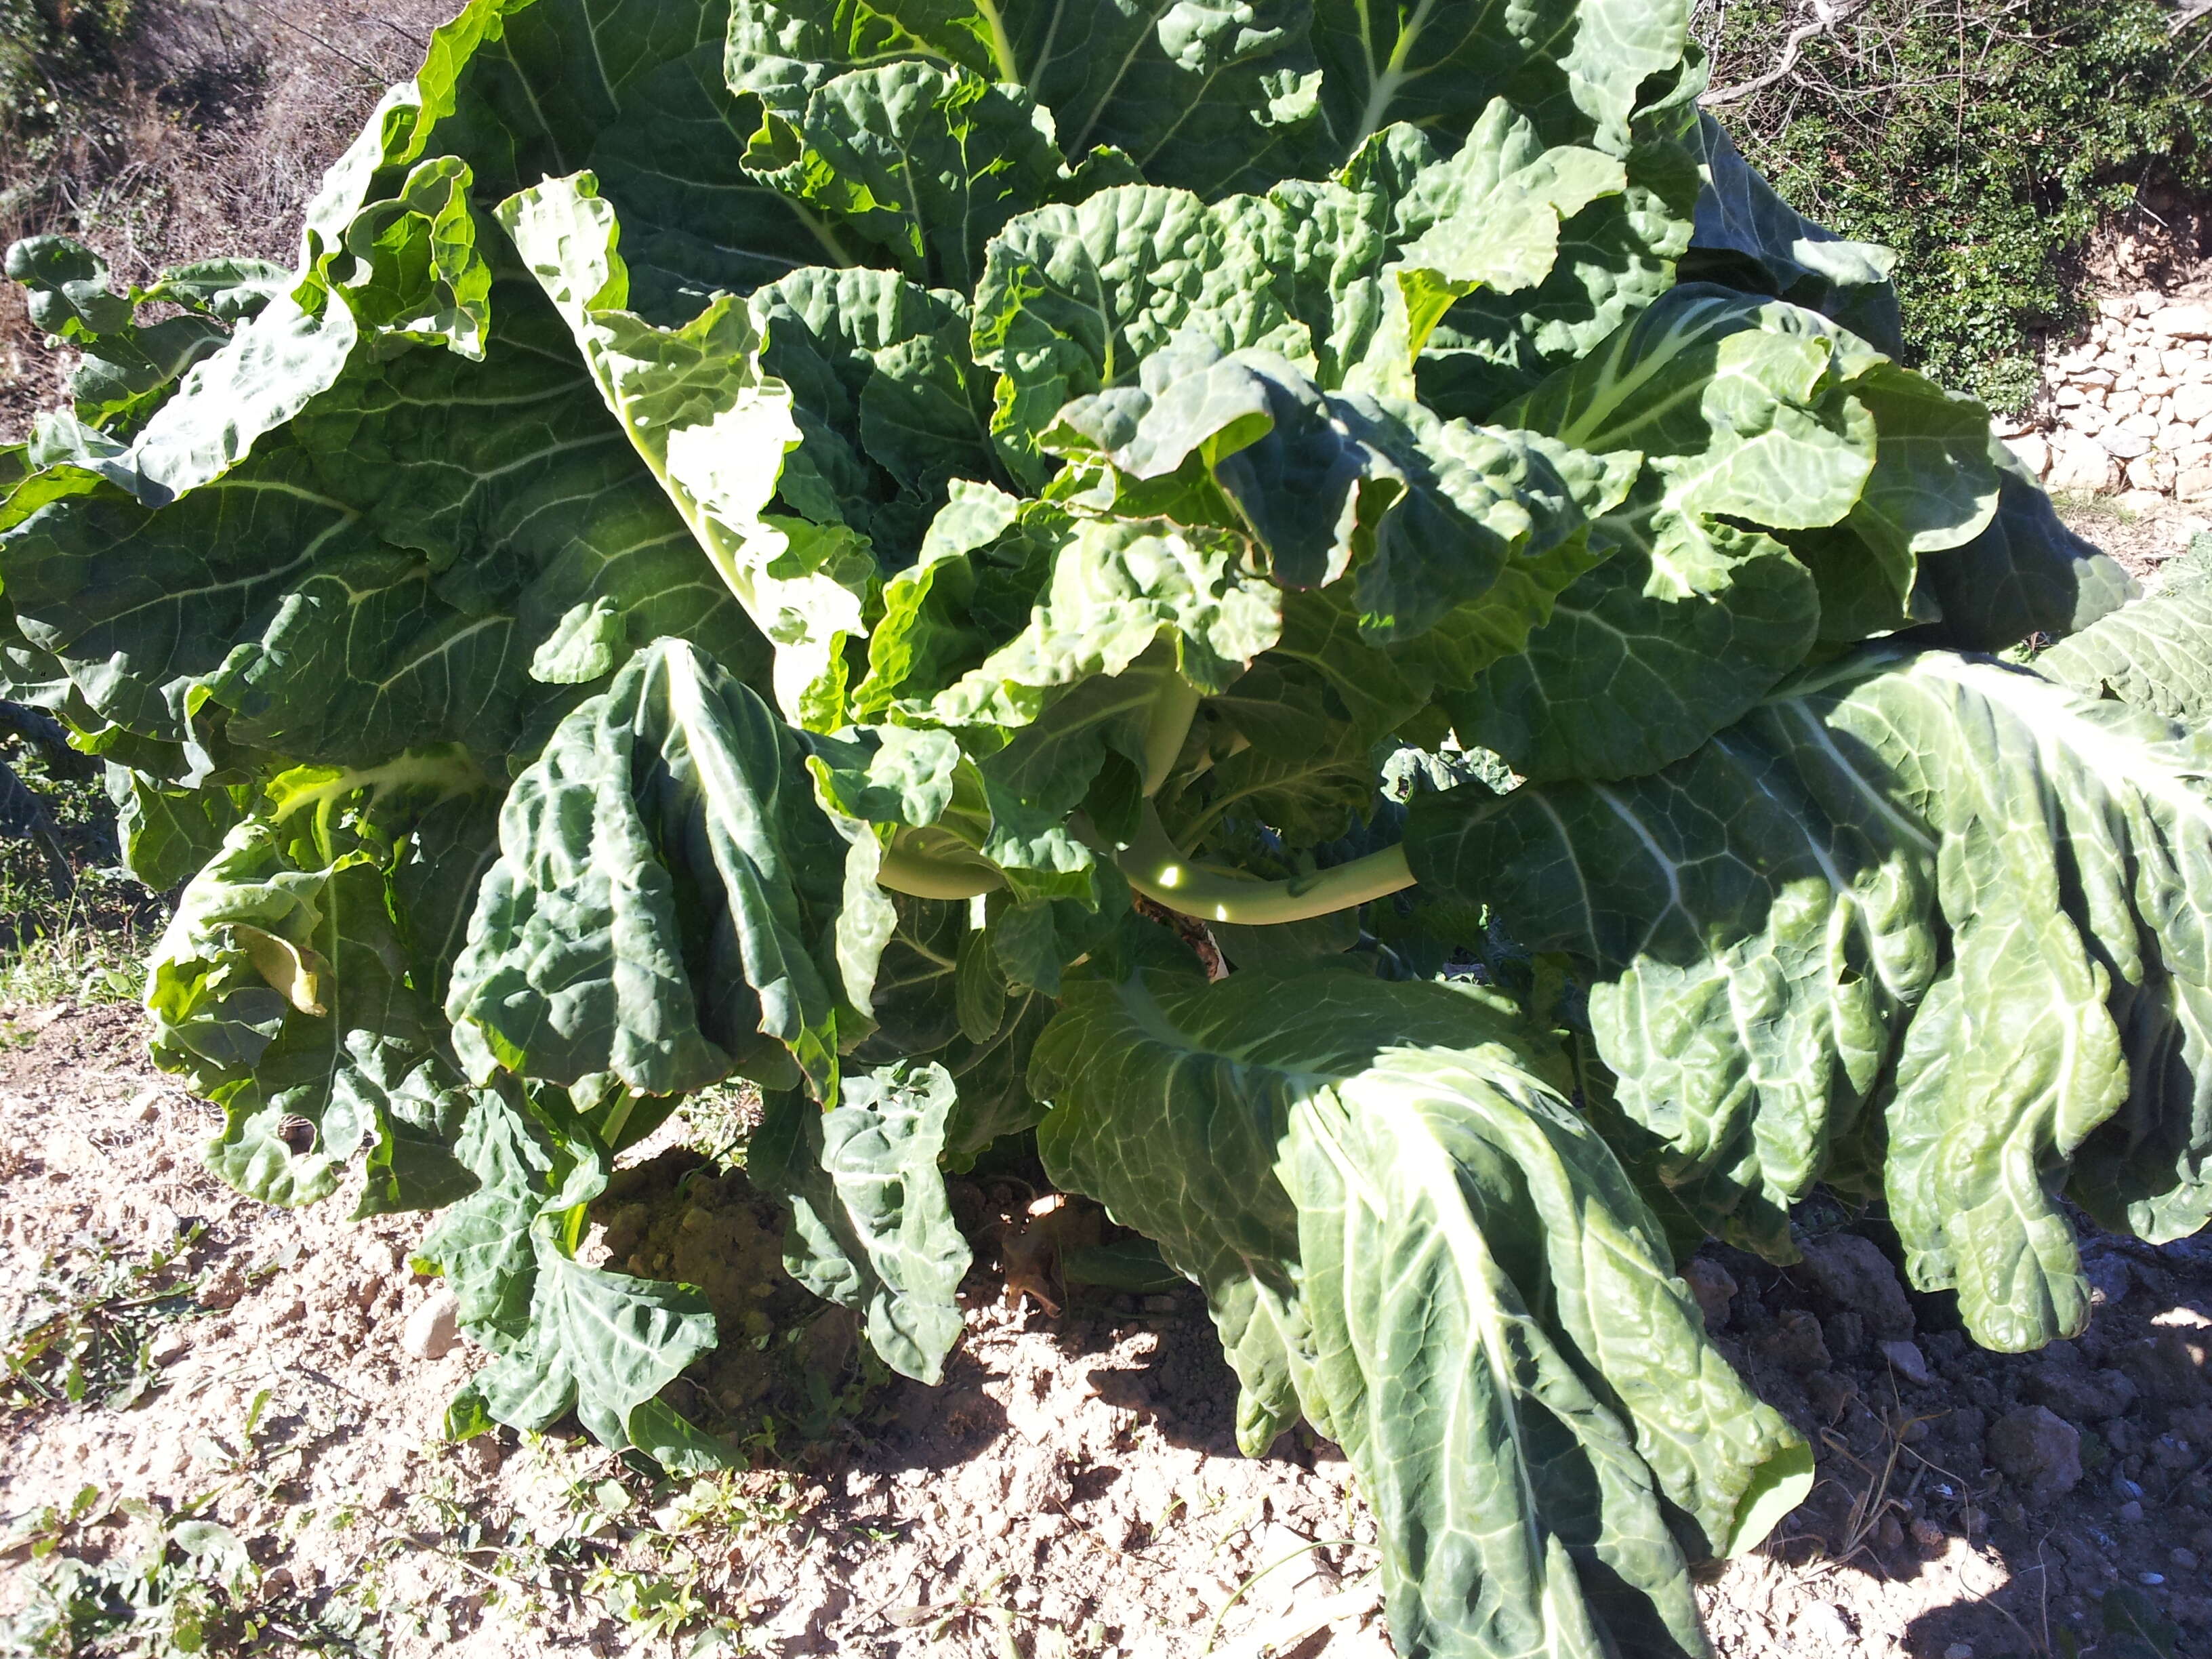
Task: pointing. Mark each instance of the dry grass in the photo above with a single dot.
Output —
(206, 135)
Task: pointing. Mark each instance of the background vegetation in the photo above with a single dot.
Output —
(1985, 140)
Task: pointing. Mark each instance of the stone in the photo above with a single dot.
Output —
(2122, 442)
(2121, 404)
(1714, 1287)
(2083, 1396)
(2184, 322)
(2144, 424)
(2132, 1511)
(2110, 1280)
(2191, 401)
(2175, 362)
(2103, 380)
(2039, 1451)
(2175, 437)
(433, 1327)
(1908, 1363)
(2116, 307)
(1853, 1273)
(2032, 451)
(1795, 1342)
(2069, 397)
(2194, 485)
(2148, 476)
(2082, 464)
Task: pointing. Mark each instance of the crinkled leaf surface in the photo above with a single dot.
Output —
(1935, 889)
(1393, 1217)
(664, 883)
(871, 1227)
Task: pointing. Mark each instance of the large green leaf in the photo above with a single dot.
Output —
(540, 550)
(1740, 218)
(1428, 518)
(1074, 299)
(871, 1227)
(1746, 412)
(1579, 67)
(1934, 889)
(2151, 653)
(889, 408)
(922, 165)
(2025, 573)
(713, 428)
(1392, 1214)
(668, 898)
(1689, 623)
(282, 994)
(1208, 99)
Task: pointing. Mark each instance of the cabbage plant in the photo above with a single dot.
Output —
(1330, 607)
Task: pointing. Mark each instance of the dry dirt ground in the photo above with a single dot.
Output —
(1070, 1490)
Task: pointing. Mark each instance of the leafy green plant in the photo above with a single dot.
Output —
(1339, 612)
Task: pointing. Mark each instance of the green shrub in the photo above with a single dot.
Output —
(1985, 143)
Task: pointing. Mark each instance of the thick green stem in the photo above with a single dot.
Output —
(1165, 734)
(927, 875)
(1156, 868)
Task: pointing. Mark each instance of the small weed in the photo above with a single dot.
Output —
(192, 1588)
(96, 1339)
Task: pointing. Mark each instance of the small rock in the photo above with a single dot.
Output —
(146, 1105)
(1796, 1342)
(2039, 1451)
(2132, 1511)
(2183, 1558)
(2122, 442)
(169, 1345)
(1853, 1272)
(1714, 1286)
(431, 1329)
(1928, 1534)
(2184, 322)
(1823, 1625)
(2152, 1580)
(2109, 1280)
(1908, 1363)
(1890, 1534)
(1960, 1650)
(2032, 451)
(2084, 1396)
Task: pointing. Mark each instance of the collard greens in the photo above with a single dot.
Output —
(782, 541)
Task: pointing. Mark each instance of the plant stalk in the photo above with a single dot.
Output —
(1156, 867)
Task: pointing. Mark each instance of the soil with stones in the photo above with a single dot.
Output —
(1072, 1488)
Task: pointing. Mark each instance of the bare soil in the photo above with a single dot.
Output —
(1073, 1487)
(206, 138)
